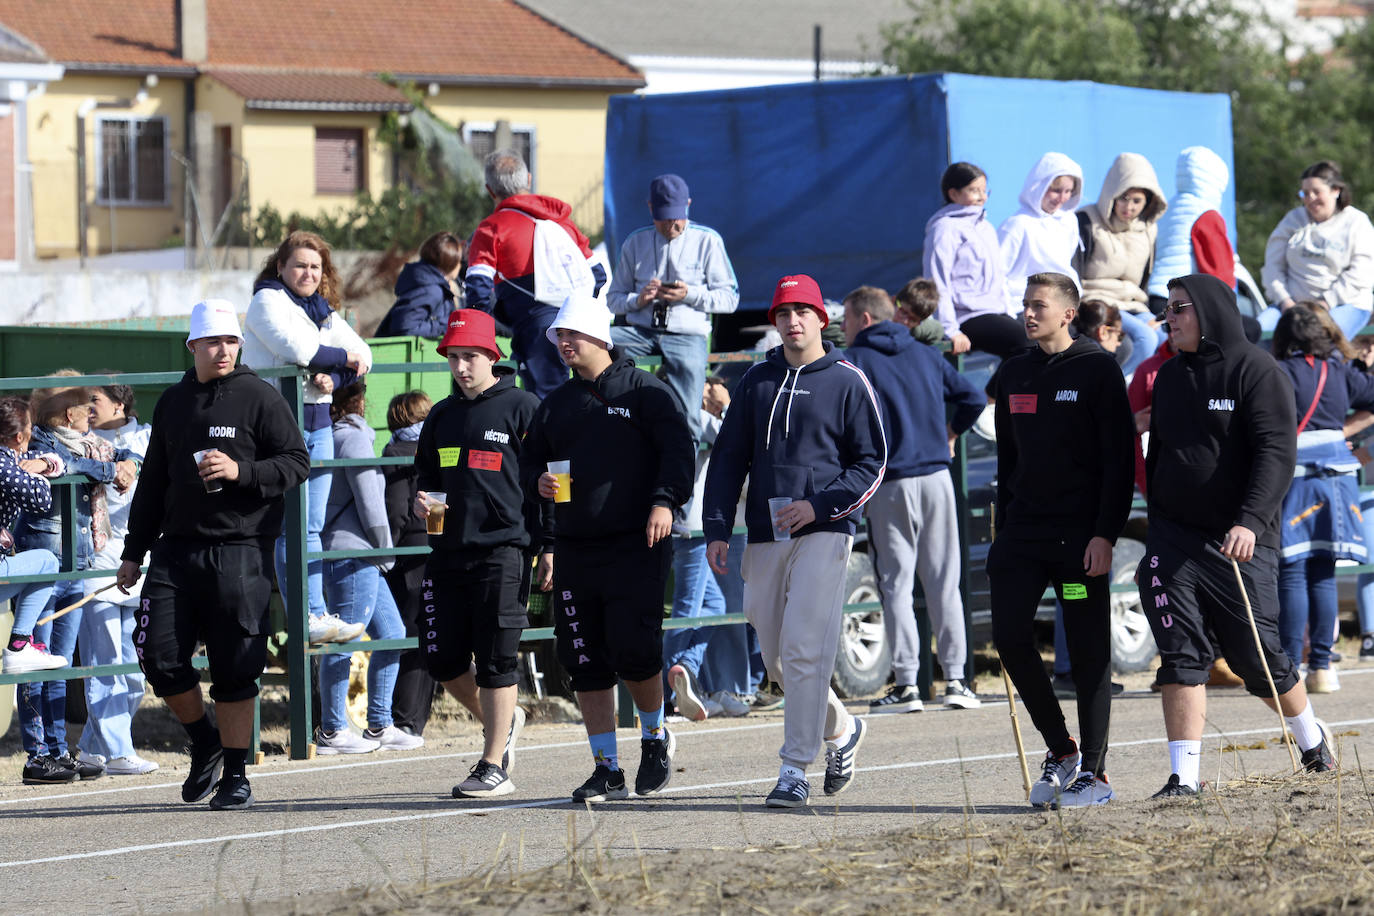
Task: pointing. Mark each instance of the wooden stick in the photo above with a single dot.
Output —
(71, 607)
(1016, 733)
(1259, 647)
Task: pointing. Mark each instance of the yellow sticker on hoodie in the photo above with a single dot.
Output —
(448, 457)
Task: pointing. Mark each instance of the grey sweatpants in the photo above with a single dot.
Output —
(793, 595)
(915, 531)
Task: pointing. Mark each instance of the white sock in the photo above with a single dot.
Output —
(845, 733)
(1185, 758)
(1304, 728)
(787, 771)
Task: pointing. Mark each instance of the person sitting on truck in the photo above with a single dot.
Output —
(670, 279)
(915, 307)
(962, 256)
(426, 290)
(1042, 235)
(1192, 232)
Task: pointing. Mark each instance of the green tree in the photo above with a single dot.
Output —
(1284, 115)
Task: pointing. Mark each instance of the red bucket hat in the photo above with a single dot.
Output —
(470, 328)
(799, 289)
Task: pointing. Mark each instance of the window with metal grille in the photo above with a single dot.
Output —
(131, 155)
(481, 140)
(339, 160)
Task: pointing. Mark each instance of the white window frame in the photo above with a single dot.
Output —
(100, 199)
(490, 127)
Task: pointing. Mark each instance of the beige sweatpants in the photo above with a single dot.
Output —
(793, 594)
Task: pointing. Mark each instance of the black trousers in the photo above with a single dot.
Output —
(1018, 572)
(414, 694)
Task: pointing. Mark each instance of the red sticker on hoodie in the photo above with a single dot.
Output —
(484, 461)
(1022, 403)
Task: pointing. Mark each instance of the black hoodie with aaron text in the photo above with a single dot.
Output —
(1223, 427)
(1065, 445)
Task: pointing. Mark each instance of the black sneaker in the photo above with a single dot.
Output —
(1367, 645)
(655, 763)
(900, 698)
(789, 793)
(44, 771)
(85, 769)
(206, 765)
(605, 784)
(1319, 759)
(232, 793)
(1175, 789)
(839, 761)
(961, 695)
(485, 779)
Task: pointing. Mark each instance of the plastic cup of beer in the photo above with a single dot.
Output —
(781, 530)
(211, 486)
(561, 471)
(434, 518)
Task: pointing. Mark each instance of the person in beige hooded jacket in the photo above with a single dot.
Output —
(1118, 235)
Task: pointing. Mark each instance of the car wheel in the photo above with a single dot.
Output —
(1133, 645)
(864, 659)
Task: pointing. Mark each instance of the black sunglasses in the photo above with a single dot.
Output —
(1176, 307)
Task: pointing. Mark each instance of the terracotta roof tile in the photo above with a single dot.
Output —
(287, 89)
(481, 40)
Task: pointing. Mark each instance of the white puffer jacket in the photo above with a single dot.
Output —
(278, 332)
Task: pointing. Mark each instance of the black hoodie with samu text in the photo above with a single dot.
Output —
(1223, 427)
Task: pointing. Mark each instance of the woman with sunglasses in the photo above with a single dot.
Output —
(427, 290)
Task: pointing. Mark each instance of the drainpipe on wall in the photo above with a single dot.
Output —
(194, 48)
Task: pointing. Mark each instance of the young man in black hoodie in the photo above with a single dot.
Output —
(1223, 442)
(211, 526)
(1065, 456)
(477, 579)
(631, 463)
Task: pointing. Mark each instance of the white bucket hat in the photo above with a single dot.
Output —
(582, 313)
(213, 318)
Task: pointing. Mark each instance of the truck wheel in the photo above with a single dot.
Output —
(1133, 645)
(864, 660)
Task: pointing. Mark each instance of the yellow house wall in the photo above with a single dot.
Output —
(52, 151)
(569, 137)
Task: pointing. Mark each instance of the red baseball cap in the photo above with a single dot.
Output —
(799, 289)
(470, 328)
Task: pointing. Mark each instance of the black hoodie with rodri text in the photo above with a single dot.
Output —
(1065, 445)
(1223, 427)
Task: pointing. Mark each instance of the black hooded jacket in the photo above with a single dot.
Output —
(1065, 445)
(1223, 430)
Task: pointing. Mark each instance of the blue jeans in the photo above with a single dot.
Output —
(320, 444)
(1307, 608)
(1364, 593)
(43, 704)
(684, 364)
(726, 664)
(695, 594)
(1349, 318)
(107, 638)
(358, 595)
(1144, 339)
(30, 598)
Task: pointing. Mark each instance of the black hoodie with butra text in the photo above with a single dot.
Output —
(1223, 427)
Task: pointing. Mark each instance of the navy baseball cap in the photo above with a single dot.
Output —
(668, 197)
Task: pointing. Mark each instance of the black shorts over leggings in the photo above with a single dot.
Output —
(205, 592)
(608, 608)
(474, 605)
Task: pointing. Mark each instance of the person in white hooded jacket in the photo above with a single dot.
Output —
(1118, 248)
(1192, 236)
(1042, 235)
(291, 321)
(1322, 250)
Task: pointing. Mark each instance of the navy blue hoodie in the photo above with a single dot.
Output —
(811, 433)
(423, 302)
(914, 383)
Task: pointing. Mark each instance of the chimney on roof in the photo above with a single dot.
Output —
(193, 30)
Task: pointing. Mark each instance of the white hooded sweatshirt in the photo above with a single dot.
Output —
(1034, 241)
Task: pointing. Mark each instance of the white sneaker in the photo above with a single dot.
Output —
(322, 629)
(685, 693)
(1085, 791)
(1056, 775)
(30, 658)
(132, 765)
(96, 760)
(343, 741)
(392, 738)
(986, 425)
(344, 631)
(730, 704)
(1323, 680)
(517, 725)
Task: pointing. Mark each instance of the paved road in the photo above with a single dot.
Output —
(327, 824)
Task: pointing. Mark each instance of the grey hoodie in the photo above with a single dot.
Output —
(355, 516)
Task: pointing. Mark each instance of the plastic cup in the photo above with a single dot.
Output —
(211, 486)
(781, 531)
(561, 471)
(434, 518)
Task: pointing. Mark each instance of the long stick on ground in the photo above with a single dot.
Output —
(1268, 675)
(1016, 733)
(71, 607)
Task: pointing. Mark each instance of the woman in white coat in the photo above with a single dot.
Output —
(292, 321)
